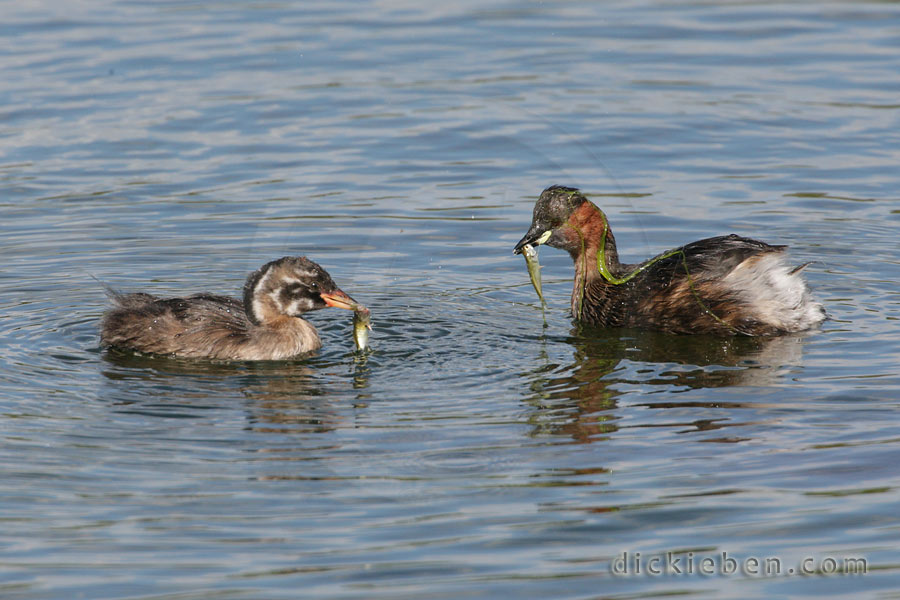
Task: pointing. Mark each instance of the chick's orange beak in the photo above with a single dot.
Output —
(339, 299)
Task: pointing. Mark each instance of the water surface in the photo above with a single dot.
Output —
(483, 449)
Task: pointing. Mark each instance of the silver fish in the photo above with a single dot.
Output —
(362, 324)
(534, 270)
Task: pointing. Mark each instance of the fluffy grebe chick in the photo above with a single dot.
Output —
(266, 325)
(727, 285)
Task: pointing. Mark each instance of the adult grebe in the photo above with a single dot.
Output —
(727, 285)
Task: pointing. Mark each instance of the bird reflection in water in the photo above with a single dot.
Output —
(581, 400)
(287, 406)
(278, 396)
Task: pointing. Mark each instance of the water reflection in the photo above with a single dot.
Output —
(361, 372)
(278, 396)
(289, 404)
(578, 400)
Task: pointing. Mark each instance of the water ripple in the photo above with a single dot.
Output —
(484, 448)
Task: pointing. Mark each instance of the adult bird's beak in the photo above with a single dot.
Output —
(339, 299)
(536, 236)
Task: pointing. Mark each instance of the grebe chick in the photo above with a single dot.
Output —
(266, 325)
(727, 285)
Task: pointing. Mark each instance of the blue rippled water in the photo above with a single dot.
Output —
(482, 450)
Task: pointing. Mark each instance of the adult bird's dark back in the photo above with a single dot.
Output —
(265, 324)
(726, 285)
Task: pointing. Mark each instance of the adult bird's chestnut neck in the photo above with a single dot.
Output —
(586, 236)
